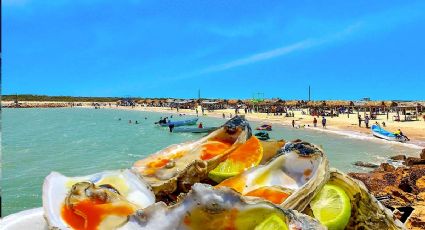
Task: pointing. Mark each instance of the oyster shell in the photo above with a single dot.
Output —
(179, 166)
(366, 211)
(270, 149)
(102, 200)
(291, 179)
(207, 208)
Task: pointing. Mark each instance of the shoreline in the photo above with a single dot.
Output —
(342, 125)
(414, 144)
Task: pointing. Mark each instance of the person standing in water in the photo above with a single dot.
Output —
(324, 122)
(129, 121)
(366, 121)
(200, 125)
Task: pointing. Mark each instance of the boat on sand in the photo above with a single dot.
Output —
(379, 132)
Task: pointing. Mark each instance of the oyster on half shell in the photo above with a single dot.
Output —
(100, 201)
(291, 179)
(179, 166)
(366, 211)
(221, 208)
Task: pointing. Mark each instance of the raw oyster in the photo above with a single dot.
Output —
(99, 201)
(366, 211)
(179, 166)
(207, 208)
(291, 179)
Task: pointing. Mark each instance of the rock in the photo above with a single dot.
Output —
(398, 157)
(420, 184)
(387, 167)
(365, 164)
(414, 161)
(416, 220)
(423, 154)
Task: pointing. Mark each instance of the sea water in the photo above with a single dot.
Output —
(78, 141)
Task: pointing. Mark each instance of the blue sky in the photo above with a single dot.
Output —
(227, 49)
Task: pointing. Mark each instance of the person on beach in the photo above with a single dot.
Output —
(399, 134)
(315, 122)
(293, 123)
(324, 122)
(196, 112)
(383, 124)
(200, 125)
(377, 124)
(224, 116)
(360, 120)
(366, 121)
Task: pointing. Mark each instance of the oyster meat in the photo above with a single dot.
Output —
(178, 167)
(221, 208)
(100, 201)
(291, 179)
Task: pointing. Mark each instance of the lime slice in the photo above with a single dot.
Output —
(332, 207)
(273, 222)
(226, 169)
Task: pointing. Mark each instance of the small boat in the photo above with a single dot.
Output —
(265, 127)
(262, 135)
(180, 123)
(194, 129)
(379, 132)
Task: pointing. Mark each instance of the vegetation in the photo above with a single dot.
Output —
(30, 97)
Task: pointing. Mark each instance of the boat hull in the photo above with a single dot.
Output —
(384, 134)
(194, 130)
(181, 123)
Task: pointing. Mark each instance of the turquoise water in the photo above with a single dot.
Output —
(83, 141)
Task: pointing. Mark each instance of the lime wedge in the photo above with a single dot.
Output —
(226, 169)
(273, 222)
(332, 207)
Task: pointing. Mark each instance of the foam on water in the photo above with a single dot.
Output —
(85, 141)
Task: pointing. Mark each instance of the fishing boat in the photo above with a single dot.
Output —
(379, 132)
(194, 129)
(265, 127)
(180, 123)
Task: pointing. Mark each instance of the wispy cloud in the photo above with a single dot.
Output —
(380, 21)
(274, 53)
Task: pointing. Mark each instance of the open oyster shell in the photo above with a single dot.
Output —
(207, 208)
(366, 211)
(291, 179)
(179, 166)
(99, 201)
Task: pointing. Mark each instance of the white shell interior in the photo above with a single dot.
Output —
(56, 187)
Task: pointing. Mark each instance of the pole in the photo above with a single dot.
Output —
(309, 93)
